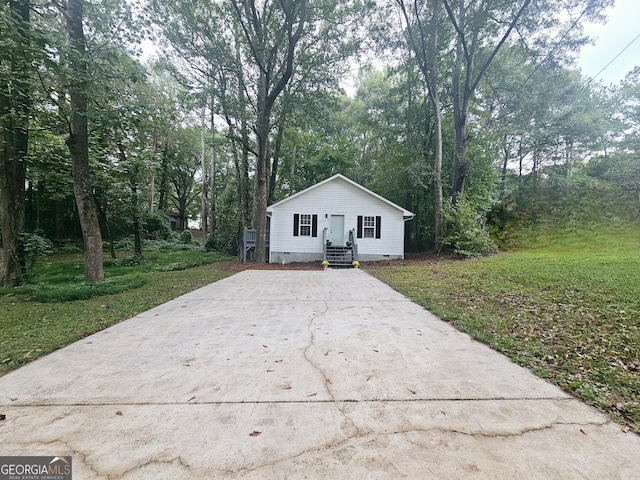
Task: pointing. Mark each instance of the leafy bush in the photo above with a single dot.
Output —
(33, 247)
(156, 226)
(67, 246)
(465, 233)
(186, 237)
(47, 293)
(124, 244)
(222, 242)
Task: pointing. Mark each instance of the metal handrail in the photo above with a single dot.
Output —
(324, 243)
(354, 244)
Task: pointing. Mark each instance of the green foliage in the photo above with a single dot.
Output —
(465, 234)
(226, 242)
(68, 248)
(33, 248)
(133, 261)
(171, 244)
(619, 169)
(566, 211)
(186, 237)
(156, 226)
(84, 291)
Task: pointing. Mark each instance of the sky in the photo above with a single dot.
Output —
(621, 29)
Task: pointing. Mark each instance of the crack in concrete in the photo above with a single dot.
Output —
(175, 460)
(373, 435)
(71, 451)
(312, 344)
(481, 434)
(77, 454)
(350, 424)
(275, 402)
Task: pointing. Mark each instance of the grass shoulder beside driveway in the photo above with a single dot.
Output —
(572, 317)
(30, 329)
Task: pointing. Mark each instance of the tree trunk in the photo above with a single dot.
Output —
(520, 161)
(78, 143)
(505, 164)
(239, 187)
(137, 237)
(276, 160)
(152, 186)
(133, 172)
(240, 161)
(163, 197)
(427, 56)
(212, 175)
(435, 100)
(244, 136)
(569, 156)
(15, 101)
(105, 221)
(203, 181)
(260, 185)
(273, 77)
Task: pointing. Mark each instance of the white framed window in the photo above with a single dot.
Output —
(369, 227)
(305, 225)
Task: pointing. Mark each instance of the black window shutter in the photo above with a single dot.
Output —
(378, 225)
(359, 233)
(296, 224)
(314, 226)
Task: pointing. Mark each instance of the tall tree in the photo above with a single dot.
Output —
(15, 99)
(548, 28)
(272, 30)
(423, 40)
(78, 143)
(475, 25)
(252, 51)
(182, 171)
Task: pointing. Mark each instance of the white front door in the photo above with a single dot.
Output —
(336, 235)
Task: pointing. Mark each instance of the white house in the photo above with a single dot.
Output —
(340, 212)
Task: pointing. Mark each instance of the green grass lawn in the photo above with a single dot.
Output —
(36, 320)
(565, 303)
(567, 306)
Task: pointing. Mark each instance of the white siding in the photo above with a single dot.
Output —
(337, 197)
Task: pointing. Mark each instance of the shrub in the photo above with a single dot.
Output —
(67, 246)
(124, 244)
(222, 242)
(33, 247)
(465, 233)
(186, 237)
(156, 226)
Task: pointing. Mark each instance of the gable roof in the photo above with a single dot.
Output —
(405, 213)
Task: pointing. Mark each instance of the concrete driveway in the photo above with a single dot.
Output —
(301, 374)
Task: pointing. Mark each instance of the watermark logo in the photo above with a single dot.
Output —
(35, 468)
